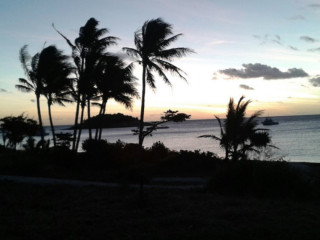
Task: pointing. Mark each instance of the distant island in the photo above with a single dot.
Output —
(117, 120)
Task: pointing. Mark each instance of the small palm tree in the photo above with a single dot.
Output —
(151, 50)
(33, 82)
(115, 82)
(238, 134)
(54, 70)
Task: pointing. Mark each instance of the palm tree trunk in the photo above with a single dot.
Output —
(97, 127)
(51, 124)
(89, 116)
(142, 105)
(81, 122)
(103, 112)
(76, 124)
(40, 120)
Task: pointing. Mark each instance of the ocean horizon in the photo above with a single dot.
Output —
(297, 137)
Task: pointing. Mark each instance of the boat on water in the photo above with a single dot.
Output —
(269, 121)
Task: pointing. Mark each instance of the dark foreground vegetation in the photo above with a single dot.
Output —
(65, 212)
(244, 199)
(128, 163)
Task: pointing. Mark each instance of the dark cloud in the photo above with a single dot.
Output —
(3, 90)
(246, 87)
(315, 81)
(293, 48)
(315, 6)
(308, 39)
(314, 49)
(268, 39)
(32, 100)
(297, 17)
(260, 70)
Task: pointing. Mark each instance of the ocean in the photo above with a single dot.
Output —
(296, 137)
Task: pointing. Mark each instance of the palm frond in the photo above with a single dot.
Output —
(151, 80)
(169, 54)
(168, 41)
(132, 52)
(26, 83)
(23, 88)
(171, 68)
(65, 38)
(24, 59)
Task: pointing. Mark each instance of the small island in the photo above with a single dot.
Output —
(117, 120)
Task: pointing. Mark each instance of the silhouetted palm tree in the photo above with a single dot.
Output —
(151, 48)
(87, 50)
(33, 82)
(54, 71)
(116, 81)
(238, 134)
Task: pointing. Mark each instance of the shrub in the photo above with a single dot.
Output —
(159, 149)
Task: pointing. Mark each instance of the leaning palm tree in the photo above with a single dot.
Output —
(151, 50)
(54, 70)
(87, 50)
(116, 81)
(238, 134)
(33, 82)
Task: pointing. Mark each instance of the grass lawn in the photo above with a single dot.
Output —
(67, 212)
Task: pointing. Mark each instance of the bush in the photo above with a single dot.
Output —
(159, 149)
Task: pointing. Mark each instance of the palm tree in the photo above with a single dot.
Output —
(88, 49)
(33, 82)
(238, 134)
(54, 70)
(116, 81)
(151, 50)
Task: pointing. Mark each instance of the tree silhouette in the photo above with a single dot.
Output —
(115, 82)
(15, 129)
(54, 70)
(169, 116)
(33, 83)
(87, 50)
(238, 134)
(151, 50)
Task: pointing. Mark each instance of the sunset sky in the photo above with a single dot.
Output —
(268, 51)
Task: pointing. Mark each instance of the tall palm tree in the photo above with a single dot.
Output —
(116, 81)
(238, 134)
(33, 82)
(54, 70)
(87, 50)
(151, 50)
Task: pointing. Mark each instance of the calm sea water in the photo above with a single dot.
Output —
(297, 137)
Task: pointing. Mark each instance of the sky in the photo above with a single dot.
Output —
(268, 51)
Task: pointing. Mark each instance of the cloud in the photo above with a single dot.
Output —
(314, 6)
(260, 70)
(32, 100)
(297, 17)
(308, 39)
(314, 49)
(246, 87)
(273, 39)
(3, 90)
(293, 48)
(268, 39)
(315, 81)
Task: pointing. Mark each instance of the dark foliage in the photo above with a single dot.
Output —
(15, 129)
